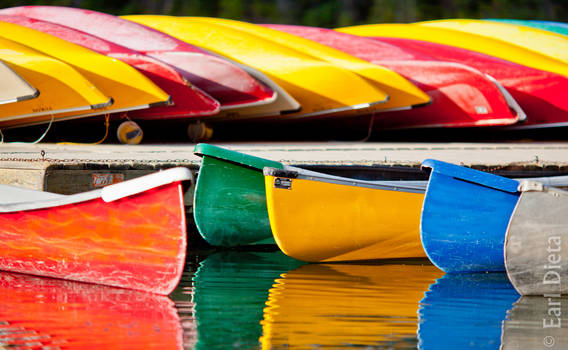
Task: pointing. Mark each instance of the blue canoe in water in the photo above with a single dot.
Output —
(465, 216)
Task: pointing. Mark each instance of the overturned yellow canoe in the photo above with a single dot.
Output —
(320, 87)
(13, 88)
(473, 42)
(129, 89)
(317, 217)
(62, 90)
(538, 40)
(402, 93)
(339, 306)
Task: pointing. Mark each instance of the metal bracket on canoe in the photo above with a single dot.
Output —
(531, 186)
(280, 172)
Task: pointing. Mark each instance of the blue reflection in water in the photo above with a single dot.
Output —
(462, 311)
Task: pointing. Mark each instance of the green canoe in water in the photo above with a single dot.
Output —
(229, 204)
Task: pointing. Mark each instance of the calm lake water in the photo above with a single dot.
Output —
(265, 300)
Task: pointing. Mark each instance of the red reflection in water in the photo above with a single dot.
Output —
(38, 312)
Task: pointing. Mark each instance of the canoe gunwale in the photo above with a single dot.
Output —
(511, 102)
(27, 97)
(361, 106)
(297, 173)
(108, 194)
(22, 81)
(473, 176)
(22, 98)
(252, 162)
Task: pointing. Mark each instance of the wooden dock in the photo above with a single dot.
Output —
(71, 169)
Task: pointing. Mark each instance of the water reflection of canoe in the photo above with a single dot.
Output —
(462, 311)
(320, 87)
(461, 96)
(43, 313)
(131, 234)
(230, 291)
(524, 327)
(322, 218)
(225, 82)
(188, 101)
(465, 216)
(536, 243)
(340, 306)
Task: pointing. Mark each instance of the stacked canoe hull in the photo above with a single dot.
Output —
(216, 71)
(539, 95)
(318, 94)
(190, 101)
(53, 79)
(233, 86)
(460, 95)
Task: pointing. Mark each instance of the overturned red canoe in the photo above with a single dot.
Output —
(461, 96)
(228, 83)
(539, 93)
(130, 235)
(189, 101)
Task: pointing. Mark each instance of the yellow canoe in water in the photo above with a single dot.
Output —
(62, 90)
(321, 88)
(538, 40)
(129, 89)
(317, 217)
(473, 42)
(14, 88)
(337, 306)
(402, 93)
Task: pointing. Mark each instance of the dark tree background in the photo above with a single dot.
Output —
(325, 13)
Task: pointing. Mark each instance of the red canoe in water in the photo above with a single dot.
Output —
(130, 235)
(540, 94)
(461, 96)
(228, 83)
(47, 313)
(189, 101)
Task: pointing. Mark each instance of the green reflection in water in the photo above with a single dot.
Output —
(230, 290)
